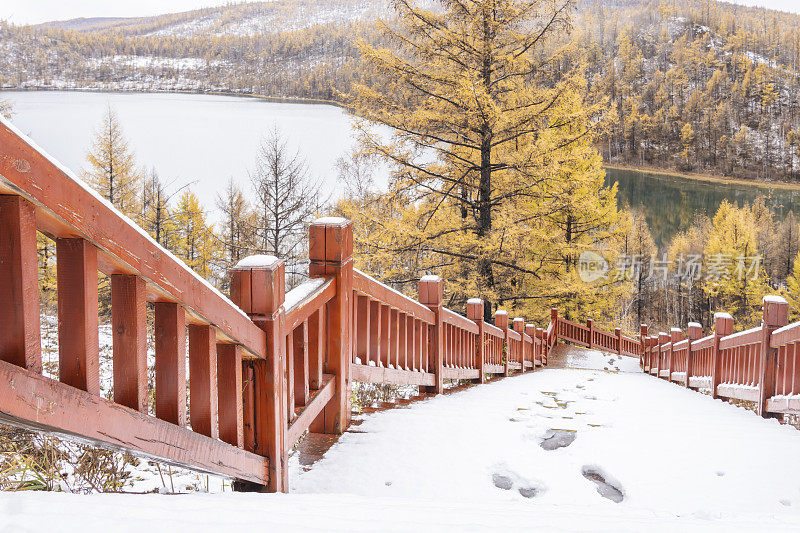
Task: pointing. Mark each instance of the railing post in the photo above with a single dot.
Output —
(518, 325)
(695, 331)
(590, 325)
(258, 288)
(554, 329)
(618, 335)
(675, 335)
(776, 315)
(642, 344)
(330, 251)
(723, 326)
(20, 336)
(475, 313)
(663, 339)
(430, 291)
(501, 321)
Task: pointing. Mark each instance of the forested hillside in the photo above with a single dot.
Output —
(692, 85)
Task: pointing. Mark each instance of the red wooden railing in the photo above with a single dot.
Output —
(758, 365)
(265, 366)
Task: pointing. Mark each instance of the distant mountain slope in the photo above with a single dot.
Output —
(690, 84)
(244, 19)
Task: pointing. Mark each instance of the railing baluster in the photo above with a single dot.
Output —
(129, 325)
(375, 332)
(170, 366)
(20, 334)
(316, 345)
(361, 329)
(229, 384)
(203, 400)
(301, 387)
(289, 369)
(78, 342)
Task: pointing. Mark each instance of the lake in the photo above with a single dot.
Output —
(205, 139)
(208, 139)
(671, 202)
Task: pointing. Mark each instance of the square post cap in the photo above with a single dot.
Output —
(501, 319)
(430, 290)
(258, 284)
(776, 311)
(475, 309)
(723, 324)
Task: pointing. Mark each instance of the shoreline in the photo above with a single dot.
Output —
(266, 98)
(708, 178)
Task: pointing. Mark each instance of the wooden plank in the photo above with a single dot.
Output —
(170, 366)
(78, 339)
(373, 374)
(738, 392)
(494, 369)
(65, 410)
(230, 394)
(311, 411)
(203, 399)
(743, 338)
(361, 328)
(309, 305)
(461, 373)
(20, 335)
(129, 327)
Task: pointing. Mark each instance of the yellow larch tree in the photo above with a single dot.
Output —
(497, 185)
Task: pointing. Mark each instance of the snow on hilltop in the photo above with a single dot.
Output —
(246, 19)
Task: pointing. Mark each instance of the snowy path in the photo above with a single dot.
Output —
(527, 452)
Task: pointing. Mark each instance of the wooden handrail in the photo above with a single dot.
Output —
(66, 209)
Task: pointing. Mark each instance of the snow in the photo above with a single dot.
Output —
(433, 277)
(302, 292)
(473, 301)
(775, 299)
(257, 261)
(722, 315)
(71, 175)
(675, 330)
(694, 325)
(331, 220)
(501, 312)
(465, 461)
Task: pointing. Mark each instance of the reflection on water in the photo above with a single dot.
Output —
(671, 202)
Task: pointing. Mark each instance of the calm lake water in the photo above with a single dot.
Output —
(208, 139)
(205, 139)
(670, 203)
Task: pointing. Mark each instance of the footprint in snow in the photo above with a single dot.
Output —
(605, 487)
(507, 480)
(558, 438)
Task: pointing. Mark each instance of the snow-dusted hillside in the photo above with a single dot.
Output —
(246, 19)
